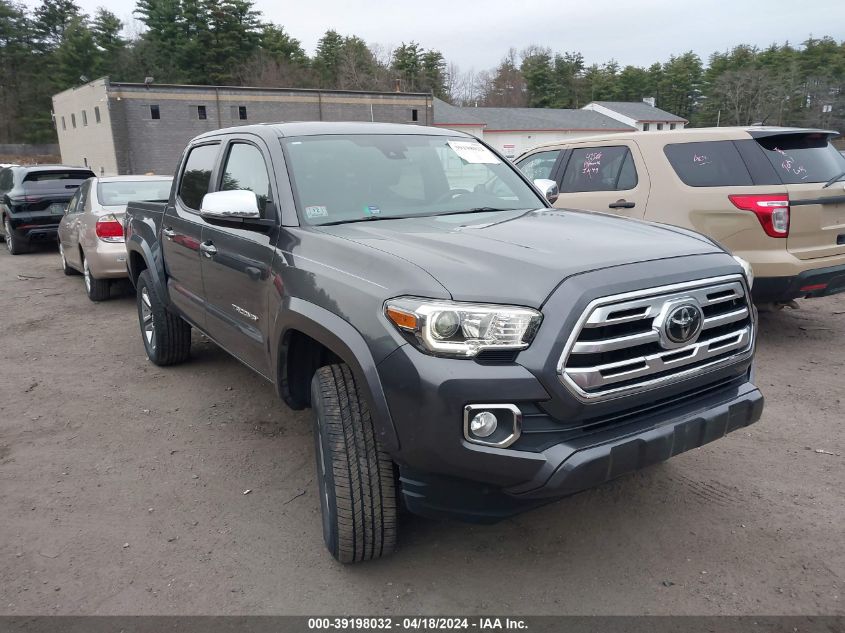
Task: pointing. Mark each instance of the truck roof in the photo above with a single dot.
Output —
(315, 128)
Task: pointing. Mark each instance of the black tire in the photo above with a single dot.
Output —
(168, 342)
(96, 289)
(67, 270)
(355, 474)
(14, 244)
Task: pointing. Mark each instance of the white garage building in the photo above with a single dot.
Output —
(514, 130)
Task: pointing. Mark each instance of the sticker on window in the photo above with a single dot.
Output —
(371, 209)
(474, 153)
(316, 212)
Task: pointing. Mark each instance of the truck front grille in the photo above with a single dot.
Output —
(642, 340)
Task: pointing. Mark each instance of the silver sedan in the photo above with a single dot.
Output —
(91, 231)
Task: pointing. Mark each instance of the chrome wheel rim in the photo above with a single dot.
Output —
(148, 325)
(87, 273)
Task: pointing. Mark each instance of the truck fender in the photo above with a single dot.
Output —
(347, 343)
(136, 244)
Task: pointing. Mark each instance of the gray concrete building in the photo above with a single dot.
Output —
(129, 128)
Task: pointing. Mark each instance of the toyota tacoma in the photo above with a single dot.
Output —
(468, 351)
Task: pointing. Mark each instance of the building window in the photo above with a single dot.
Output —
(84, 118)
(64, 124)
(415, 115)
(73, 121)
(671, 126)
(242, 113)
(201, 113)
(155, 113)
(659, 126)
(645, 127)
(97, 113)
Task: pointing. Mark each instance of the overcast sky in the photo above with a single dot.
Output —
(476, 34)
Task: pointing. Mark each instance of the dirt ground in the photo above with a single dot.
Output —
(122, 491)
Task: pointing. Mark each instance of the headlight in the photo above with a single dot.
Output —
(746, 267)
(462, 330)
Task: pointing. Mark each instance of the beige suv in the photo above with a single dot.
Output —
(773, 196)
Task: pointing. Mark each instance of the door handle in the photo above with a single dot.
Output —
(168, 233)
(208, 249)
(621, 204)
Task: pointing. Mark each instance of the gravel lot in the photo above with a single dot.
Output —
(122, 491)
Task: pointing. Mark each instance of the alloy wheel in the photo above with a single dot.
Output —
(87, 273)
(147, 320)
(8, 228)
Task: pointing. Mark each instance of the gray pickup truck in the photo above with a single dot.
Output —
(468, 351)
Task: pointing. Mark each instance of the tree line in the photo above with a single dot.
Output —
(779, 85)
(55, 46)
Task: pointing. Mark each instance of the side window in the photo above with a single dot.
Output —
(539, 165)
(6, 180)
(246, 170)
(71, 206)
(708, 164)
(599, 169)
(83, 191)
(196, 175)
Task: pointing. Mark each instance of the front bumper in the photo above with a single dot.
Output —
(585, 462)
(810, 283)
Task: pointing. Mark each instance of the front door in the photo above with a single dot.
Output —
(236, 261)
(607, 178)
(182, 233)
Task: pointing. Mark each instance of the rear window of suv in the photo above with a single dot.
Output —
(708, 164)
(801, 158)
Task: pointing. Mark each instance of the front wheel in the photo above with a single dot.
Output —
(66, 269)
(166, 336)
(96, 289)
(355, 473)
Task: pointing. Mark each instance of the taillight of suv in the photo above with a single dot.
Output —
(109, 229)
(771, 209)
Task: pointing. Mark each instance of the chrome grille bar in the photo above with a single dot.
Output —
(596, 368)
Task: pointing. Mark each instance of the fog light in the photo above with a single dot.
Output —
(483, 424)
(498, 425)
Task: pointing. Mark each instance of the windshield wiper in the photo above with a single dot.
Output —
(478, 210)
(368, 218)
(833, 180)
(372, 218)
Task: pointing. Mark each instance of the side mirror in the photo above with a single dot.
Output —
(232, 206)
(548, 188)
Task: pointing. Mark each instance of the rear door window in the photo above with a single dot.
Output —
(196, 176)
(708, 164)
(599, 169)
(539, 165)
(801, 158)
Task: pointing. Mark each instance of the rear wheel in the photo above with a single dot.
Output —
(96, 289)
(355, 473)
(14, 244)
(166, 336)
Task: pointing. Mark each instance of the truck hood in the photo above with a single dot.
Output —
(519, 257)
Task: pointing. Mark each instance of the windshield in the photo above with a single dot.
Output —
(121, 193)
(801, 158)
(348, 178)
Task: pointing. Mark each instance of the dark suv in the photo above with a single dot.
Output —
(34, 199)
(467, 350)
